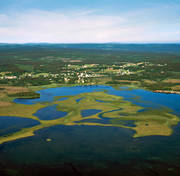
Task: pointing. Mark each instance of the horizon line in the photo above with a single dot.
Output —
(25, 43)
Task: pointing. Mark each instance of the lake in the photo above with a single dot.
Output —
(92, 149)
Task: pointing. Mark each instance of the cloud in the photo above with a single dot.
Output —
(80, 26)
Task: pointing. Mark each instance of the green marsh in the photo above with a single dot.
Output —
(115, 112)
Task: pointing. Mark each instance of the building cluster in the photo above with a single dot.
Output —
(78, 73)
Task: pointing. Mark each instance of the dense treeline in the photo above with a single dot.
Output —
(32, 95)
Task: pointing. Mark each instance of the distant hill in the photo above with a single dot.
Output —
(159, 48)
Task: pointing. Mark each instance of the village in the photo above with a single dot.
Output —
(71, 73)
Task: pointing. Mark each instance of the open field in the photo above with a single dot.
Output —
(8, 93)
(171, 80)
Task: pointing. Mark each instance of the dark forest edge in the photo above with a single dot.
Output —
(25, 95)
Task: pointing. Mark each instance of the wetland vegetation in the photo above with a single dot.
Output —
(99, 105)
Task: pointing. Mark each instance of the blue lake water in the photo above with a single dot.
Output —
(64, 98)
(50, 113)
(47, 95)
(96, 146)
(150, 99)
(101, 101)
(102, 121)
(93, 146)
(89, 112)
(140, 97)
(79, 99)
(13, 124)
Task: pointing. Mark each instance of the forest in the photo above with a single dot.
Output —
(151, 66)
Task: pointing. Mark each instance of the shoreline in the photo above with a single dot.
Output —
(167, 91)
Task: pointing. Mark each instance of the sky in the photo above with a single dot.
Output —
(89, 21)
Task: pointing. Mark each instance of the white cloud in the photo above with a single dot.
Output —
(78, 26)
